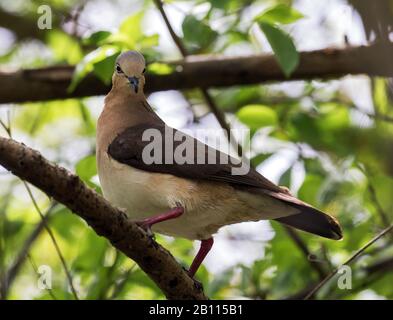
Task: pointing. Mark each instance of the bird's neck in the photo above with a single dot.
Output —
(128, 107)
(124, 91)
(121, 111)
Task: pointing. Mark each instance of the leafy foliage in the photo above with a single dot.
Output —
(336, 153)
(257, 116)
(283, 47)
(199, 36)
(281, 43)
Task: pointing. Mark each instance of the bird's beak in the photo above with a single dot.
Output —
(134, 82)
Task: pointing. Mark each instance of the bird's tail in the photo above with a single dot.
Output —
(314, 221)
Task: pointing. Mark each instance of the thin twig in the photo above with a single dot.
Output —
(376, 116)
(374, 273)
(307, 254)
(46, 226)
(373, 194)
(6, 200)
(175, 38)
(9, 122)
(380, 210)
(356, 255)
(5, 127)
(107, 221)
(108, 277)
(379, 116)
(120, 285)
(376, 268)
(220, 116)
(51, 235)
(9, 277)
(34, 266)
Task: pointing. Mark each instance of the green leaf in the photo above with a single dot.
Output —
(309, 190)
(260, 158)
(65, 224)
(220, 282)
(279, 14)
(87, 64)
(97, 38)
(284, 282)
(256, 116)
(131, 26)
(64, 47)
(104, 69)
(130, 35)
(147, 42)
(285, 179)
(197, 34)
(383, 186)
(130, 31)
(283, 47)
(220, 4)
(89, 122)
(228, 5)
(160, 68)
(304, 128)
(12, 228)
(86, 168)
(381, 97)
(334, 117)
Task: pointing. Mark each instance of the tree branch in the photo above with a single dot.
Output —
(179, 44)
(106, 220)
(220, 116)
(372, 272)
(204, 72)
(351, 259)
(23, 27)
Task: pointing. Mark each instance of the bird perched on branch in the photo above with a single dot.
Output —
(191, 199)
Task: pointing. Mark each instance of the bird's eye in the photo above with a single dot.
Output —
(118, 69)
(144, 70)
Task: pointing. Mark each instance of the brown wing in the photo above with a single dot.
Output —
(128, 148)
(205, 162)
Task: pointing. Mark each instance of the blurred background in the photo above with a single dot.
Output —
(329, 138)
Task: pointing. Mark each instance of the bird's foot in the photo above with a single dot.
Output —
(147, 227)
(197, 284)
(147, 223)
(171, 214)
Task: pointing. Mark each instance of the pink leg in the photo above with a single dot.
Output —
(206, 245)
(171, 214)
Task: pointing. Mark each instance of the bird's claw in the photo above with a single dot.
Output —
(147, 227)
(198, 285)
(179, 205)
(150, 232)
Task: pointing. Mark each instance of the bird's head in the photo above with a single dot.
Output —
(129, 71)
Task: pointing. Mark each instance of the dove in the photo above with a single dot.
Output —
(191, 199)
